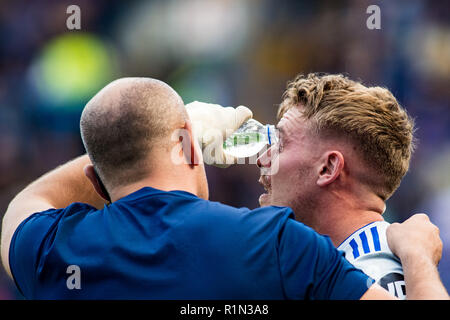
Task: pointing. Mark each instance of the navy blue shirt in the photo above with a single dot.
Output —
(154, 244)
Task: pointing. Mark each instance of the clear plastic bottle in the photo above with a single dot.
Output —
(250, 139)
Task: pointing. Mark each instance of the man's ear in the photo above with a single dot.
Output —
(331, 168)
(90, 173)
(191, 149)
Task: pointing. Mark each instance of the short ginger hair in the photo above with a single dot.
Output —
(381, 130)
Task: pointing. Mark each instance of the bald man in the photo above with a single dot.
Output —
(136, 225)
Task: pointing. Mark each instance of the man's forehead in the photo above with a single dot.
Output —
(291, 119)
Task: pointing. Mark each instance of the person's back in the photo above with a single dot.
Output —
(154, 244)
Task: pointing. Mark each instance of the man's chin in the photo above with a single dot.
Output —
(265, 200)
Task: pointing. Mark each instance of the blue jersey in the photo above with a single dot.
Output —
(154, 244)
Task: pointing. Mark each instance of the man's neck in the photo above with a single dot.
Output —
(340, 221)
(166, 182)
(344, 226)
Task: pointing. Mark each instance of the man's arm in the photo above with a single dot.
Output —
(418, 245)
(377, 292)
(56, 189)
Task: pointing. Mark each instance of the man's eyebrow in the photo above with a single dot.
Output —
(280, 131)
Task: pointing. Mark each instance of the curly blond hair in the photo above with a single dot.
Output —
(381, 129)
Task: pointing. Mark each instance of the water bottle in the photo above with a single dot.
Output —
(249, 139)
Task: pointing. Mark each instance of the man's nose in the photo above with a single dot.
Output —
(265, 160)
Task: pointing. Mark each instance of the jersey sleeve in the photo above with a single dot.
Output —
(31, 242)
(311, 265)
(26, 247)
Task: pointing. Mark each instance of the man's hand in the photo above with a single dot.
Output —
(418, 245)
(212, 125)
(417, 236)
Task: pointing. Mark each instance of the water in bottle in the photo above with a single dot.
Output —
(249, 139)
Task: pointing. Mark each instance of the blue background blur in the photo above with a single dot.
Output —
(229, 52)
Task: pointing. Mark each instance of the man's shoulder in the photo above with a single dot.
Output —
(53, 214)
(244, 214)
(228, 220)
(366, 240)
(367, 249)
(39, 225)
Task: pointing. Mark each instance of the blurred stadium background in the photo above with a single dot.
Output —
(224, 51)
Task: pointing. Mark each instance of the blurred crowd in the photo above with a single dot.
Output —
(231, 52)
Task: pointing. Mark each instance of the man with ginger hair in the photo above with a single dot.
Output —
(343, 151)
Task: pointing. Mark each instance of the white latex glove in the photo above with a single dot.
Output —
(212, 125)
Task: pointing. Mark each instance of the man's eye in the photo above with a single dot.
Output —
(280, 147)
